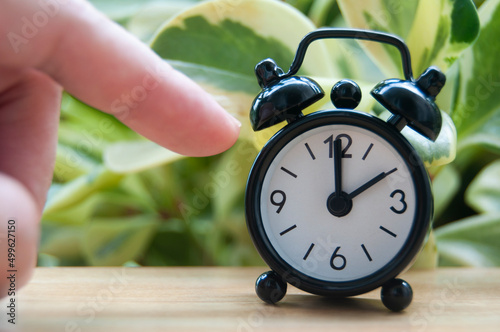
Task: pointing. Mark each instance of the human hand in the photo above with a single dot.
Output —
(48, 45)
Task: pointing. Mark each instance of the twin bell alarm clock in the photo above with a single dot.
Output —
(338, 202)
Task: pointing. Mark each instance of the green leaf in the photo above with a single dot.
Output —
(61, 241)
(114, 241)
(166, 246)
(71, 163)
(152, 16)
(126, 199)
(303, 5)
(80, 188)
(75, 214)
(485, 135)
(428, 256)
(119, 10)
(197, 40)
(218, 44)
(440, 152)
(441, 31)
(122, 10)
(134, 187)
(323, 12)
(483, 194)
(223, 79)
(94, 126)
(470, 242)
(436, 31)
(87, 130)
(116, 203)
(230, 176)
(236, 36)
(233, 91)
(74, 136)
(489, 141)
(382, 15)
(135, 156)
(47, 260)
(477, 109)
(131, 264)
(229, 242)
(445, 186)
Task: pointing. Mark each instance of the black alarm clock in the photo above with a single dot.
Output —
(338, 202)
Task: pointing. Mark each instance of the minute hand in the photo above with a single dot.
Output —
(370, 183)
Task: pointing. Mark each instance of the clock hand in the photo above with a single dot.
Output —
(338, 203)
(337, 161)
(370, 183)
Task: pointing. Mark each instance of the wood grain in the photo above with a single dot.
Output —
(223, 299)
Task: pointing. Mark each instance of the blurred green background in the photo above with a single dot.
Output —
(118, 199)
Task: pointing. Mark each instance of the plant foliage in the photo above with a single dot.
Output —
(119, 199)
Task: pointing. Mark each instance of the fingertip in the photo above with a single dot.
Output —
(181, 116)
(236, 122)
(211, 139)
(199, 125)
(215, 136)
(232, 132)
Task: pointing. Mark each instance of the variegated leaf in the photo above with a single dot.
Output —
(436, 31)
(476, 112)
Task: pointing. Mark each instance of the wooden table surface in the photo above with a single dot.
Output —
(223, 299)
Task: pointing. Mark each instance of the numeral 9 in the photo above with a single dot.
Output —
(280, 203)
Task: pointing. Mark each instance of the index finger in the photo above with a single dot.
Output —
(97, 61)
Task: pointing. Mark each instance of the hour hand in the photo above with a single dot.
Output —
(370, 183)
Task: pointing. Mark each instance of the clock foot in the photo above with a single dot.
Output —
(270, 287)
(396, 294)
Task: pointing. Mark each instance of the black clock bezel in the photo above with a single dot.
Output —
(408, 251)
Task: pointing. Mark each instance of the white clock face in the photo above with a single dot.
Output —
(339, 233)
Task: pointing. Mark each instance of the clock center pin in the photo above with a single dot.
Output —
(339, 205)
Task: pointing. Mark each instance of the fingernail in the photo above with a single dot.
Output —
(236, 121)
